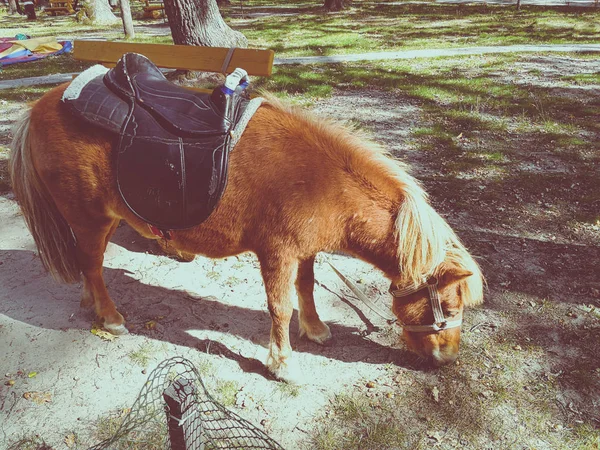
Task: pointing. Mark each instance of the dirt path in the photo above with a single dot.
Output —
(528, 373)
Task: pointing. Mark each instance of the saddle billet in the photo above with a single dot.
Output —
(172, 144)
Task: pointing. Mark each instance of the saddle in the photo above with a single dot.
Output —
(171, 145)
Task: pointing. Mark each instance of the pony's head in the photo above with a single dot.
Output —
(437, 279)
(431, 312)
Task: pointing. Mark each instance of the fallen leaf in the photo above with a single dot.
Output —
(150, 325)
(70, 440)
(371, 384)
(103, 334)
(10, 383)
(435, 435)
(38, 397)
(435, 392)
(487, 394)
(32, 374)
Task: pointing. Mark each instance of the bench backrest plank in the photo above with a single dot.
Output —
(208, 59)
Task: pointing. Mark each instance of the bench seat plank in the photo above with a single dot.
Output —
(210, 59)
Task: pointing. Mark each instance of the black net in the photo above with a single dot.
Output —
(174, 411)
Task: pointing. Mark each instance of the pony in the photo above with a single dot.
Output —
(298, 185)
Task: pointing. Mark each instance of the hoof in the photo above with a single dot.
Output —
(288, 371)
(117, 330)
(319, 333)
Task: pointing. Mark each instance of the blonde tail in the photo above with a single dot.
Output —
(52, 234)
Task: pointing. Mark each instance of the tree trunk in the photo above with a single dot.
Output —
(334, 5)
(199, 22)
(518, 5)
(12, 7)
(127, 20)
(97, 12)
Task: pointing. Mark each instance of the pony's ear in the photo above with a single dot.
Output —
(454, 274)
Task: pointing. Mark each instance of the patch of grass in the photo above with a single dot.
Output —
(504, 391)
(232, 281)
(33, 442)
(146, 435)
(584, 78)
(24, 94)
(368, 27)
(5, 185)
(51, 65)
(205, 367)
(359, 422)
(142, 355)
(227, 392)
(213, 275)
(289, 389)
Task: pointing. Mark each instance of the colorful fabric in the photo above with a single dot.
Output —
(17, 51)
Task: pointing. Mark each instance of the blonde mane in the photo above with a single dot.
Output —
(424, 238)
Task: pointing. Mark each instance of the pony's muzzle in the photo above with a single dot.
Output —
(438, 359)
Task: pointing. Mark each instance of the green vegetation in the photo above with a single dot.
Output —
(226, 392)
(488, 398)
(147, 435)
(364, 27)
(367, 27)
(143, 354)
(54, 64)
(29, 443)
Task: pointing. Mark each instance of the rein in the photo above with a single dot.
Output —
(363, 297)
(440, 321)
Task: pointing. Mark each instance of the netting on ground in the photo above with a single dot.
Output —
(174, 411)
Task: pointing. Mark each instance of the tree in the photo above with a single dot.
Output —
(13, 7)
(199, 22)
(97, 12)
(127, 20)
(334, 5)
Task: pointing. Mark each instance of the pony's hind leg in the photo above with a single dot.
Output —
(278, 273)
(310, 323)
(87, 296)
(91, 244)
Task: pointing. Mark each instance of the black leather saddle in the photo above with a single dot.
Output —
(171, 144)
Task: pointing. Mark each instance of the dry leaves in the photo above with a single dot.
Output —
(38, 397)
(70, 440)
(435, 392)
(103, 334)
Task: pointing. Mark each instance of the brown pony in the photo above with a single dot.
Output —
(297, 186)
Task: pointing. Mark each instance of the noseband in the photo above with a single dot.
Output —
(440, 321)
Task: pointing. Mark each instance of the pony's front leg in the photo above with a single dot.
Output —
(278, 275)
(310, 324)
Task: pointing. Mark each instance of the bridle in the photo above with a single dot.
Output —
(440, 322)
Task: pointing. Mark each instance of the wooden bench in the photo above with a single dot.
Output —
(153, 9)
(184, 57)
(60, 7)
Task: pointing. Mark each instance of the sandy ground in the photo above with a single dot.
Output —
(213, 312)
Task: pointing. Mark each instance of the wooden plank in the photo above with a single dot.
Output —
(210, 59)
